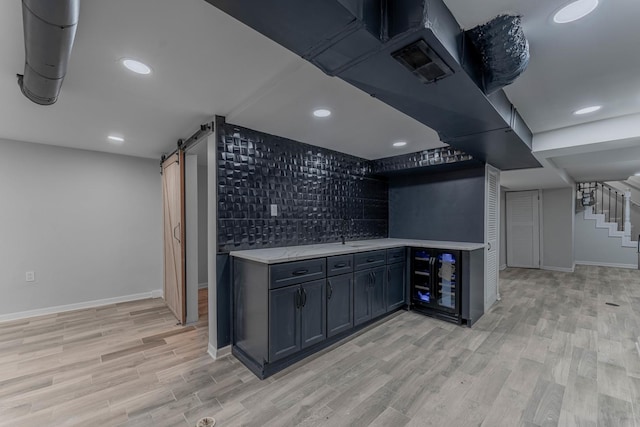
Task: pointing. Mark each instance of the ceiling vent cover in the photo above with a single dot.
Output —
(423, 62)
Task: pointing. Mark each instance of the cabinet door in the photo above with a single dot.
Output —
(313, 314)
(284, 322)
(395, 285)
(378, 291)
(361, 293)
(339, 304)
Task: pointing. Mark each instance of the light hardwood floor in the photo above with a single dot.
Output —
(552, 352)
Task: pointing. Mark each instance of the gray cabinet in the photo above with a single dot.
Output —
(369, 298)
(290, 273)
(378, 294)
(361, 290)
(284, 322)
(297, 318)
(340, 264)
(286, 311)
(339, 304)
(313, 313)
(396, 285)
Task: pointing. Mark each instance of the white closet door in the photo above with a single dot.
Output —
(523, 229)
(492, 236)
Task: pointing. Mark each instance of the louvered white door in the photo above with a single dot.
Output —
(523, 229)
(492, 237)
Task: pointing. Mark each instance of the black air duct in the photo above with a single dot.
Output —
(504, 51)
(409, 54)
(49, 31)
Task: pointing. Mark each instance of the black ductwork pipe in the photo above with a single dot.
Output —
(409, 54)
(49, 31)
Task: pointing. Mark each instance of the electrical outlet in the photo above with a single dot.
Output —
(274, 210)
(30, 276)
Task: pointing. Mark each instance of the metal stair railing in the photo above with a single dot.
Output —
(608, 201)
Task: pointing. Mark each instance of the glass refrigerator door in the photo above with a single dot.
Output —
(446, 282)
(422, 271)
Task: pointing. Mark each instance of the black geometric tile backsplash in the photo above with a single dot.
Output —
(434, 157)
(320, 193)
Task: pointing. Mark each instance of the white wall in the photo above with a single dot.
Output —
(595, 247)
(89, 224)
(202, 224)
(557, 227)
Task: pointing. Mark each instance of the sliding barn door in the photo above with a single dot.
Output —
(174, 233)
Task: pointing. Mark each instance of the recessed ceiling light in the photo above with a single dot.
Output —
(114, 138)
(574, 11)
(587, 110)
(136, 66)
(321, 112)
(399, 144)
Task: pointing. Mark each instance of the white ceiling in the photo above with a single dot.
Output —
(595, 60)
(206, 63)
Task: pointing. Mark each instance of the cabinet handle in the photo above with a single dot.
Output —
(304, 297)
(300, 272)
(370, 259)
(329, 290)
(340, 265)
(297, 298)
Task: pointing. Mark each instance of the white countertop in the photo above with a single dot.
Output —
(297, 253)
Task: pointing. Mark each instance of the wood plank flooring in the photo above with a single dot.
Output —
(552, 352)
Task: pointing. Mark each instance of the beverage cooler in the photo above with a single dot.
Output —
(435, 283)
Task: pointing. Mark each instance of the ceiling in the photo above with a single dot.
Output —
(205, 63)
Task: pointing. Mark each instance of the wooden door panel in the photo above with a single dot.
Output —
(174, 232)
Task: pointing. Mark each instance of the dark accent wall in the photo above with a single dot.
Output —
(442, 206)
(224, 303)
(314, 189)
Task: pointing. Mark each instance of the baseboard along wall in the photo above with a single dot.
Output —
(562, 269)
(79, 306)
(606, 264)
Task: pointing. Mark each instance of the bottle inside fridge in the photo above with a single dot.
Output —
(446, 280)
(422, 276)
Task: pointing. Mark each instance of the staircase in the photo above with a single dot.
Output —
(610, 242)
(612, 227)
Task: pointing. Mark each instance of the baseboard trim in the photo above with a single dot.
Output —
(212, 351)
(203, 285)
(78, 306)
(224, 351)
(503, 267)
(607, 264)
(217, 353)
(562, 269)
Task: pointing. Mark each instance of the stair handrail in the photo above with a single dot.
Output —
(622, 197)
(633, 202)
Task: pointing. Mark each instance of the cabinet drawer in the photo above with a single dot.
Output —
(291, 273)
(340, 264)
(370, 259)
(395, 255)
